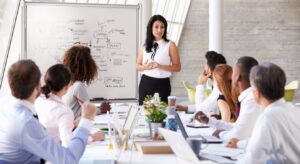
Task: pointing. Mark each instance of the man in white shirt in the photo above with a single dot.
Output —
(276, 135)
(22, 138)
(249, 109)
(209, 104)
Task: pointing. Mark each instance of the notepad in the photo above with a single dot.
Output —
(153, 147)
(98, 153)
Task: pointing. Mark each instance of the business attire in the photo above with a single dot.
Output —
(276, 135)
(24, 140)
(78, 89)
(243, 127)
(56, 117)
(156, 80)
(208, 105)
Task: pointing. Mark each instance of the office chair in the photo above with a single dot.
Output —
(289, 90)
(191, 90)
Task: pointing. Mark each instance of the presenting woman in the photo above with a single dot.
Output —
(156, 61)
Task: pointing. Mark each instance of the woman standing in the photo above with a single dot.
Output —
(156, 61)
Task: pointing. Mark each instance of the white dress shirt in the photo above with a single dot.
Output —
(243, 127)
(208, 105)
(24, 140)
(276, 136)
(56, 117)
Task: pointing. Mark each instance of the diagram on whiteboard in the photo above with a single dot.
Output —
(106, 49)
(111, 33)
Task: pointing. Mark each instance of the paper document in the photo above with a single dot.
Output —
(216, 158)
(120, 109)
(153, 144)
(101, 119)
(222, 151)
(97, 153)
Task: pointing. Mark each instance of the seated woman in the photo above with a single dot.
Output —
(53, 114)
(84, 70)
(222, 75)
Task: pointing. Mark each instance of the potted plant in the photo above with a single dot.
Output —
(155, 114)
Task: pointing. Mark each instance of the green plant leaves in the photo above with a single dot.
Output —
(155, 110)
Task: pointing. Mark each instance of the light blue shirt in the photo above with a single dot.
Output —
(24, 140)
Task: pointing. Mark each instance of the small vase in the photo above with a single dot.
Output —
(153, 129)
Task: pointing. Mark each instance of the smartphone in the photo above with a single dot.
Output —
(197, 126)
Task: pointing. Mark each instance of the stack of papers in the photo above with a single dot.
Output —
(223, 151)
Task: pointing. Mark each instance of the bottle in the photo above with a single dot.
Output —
(156, 97)
(171, 122)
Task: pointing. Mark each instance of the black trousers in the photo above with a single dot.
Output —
(150, 85)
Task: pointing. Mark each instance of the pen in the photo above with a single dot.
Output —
(97, 99)
(79, 100)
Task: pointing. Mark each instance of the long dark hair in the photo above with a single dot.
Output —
(150, 38)
(57, 77)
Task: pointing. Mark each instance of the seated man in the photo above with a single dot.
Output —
(22, 138)
(208, 105)
(276, 135)
(249, 109)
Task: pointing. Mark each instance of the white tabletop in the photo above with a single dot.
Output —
(98, 152)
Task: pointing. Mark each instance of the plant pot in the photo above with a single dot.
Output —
(153, 129)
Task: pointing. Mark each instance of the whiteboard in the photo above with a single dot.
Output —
(112, 32)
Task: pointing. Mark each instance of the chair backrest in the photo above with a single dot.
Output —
(191, 90)
(289, 90)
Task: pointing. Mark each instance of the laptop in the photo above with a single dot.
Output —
(207, 139)
(179, 146)
(131, 119)
(129, 123)
(183, 150)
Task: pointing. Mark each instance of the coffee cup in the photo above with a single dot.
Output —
(171, 110)
(171, 100)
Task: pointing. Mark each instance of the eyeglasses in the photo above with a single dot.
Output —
(155, 46)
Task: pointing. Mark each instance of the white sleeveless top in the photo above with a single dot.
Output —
(161, 56)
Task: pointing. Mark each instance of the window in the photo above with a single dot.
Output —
(8, 10)
(175, 12)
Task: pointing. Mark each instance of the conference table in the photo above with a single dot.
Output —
(98, 152)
